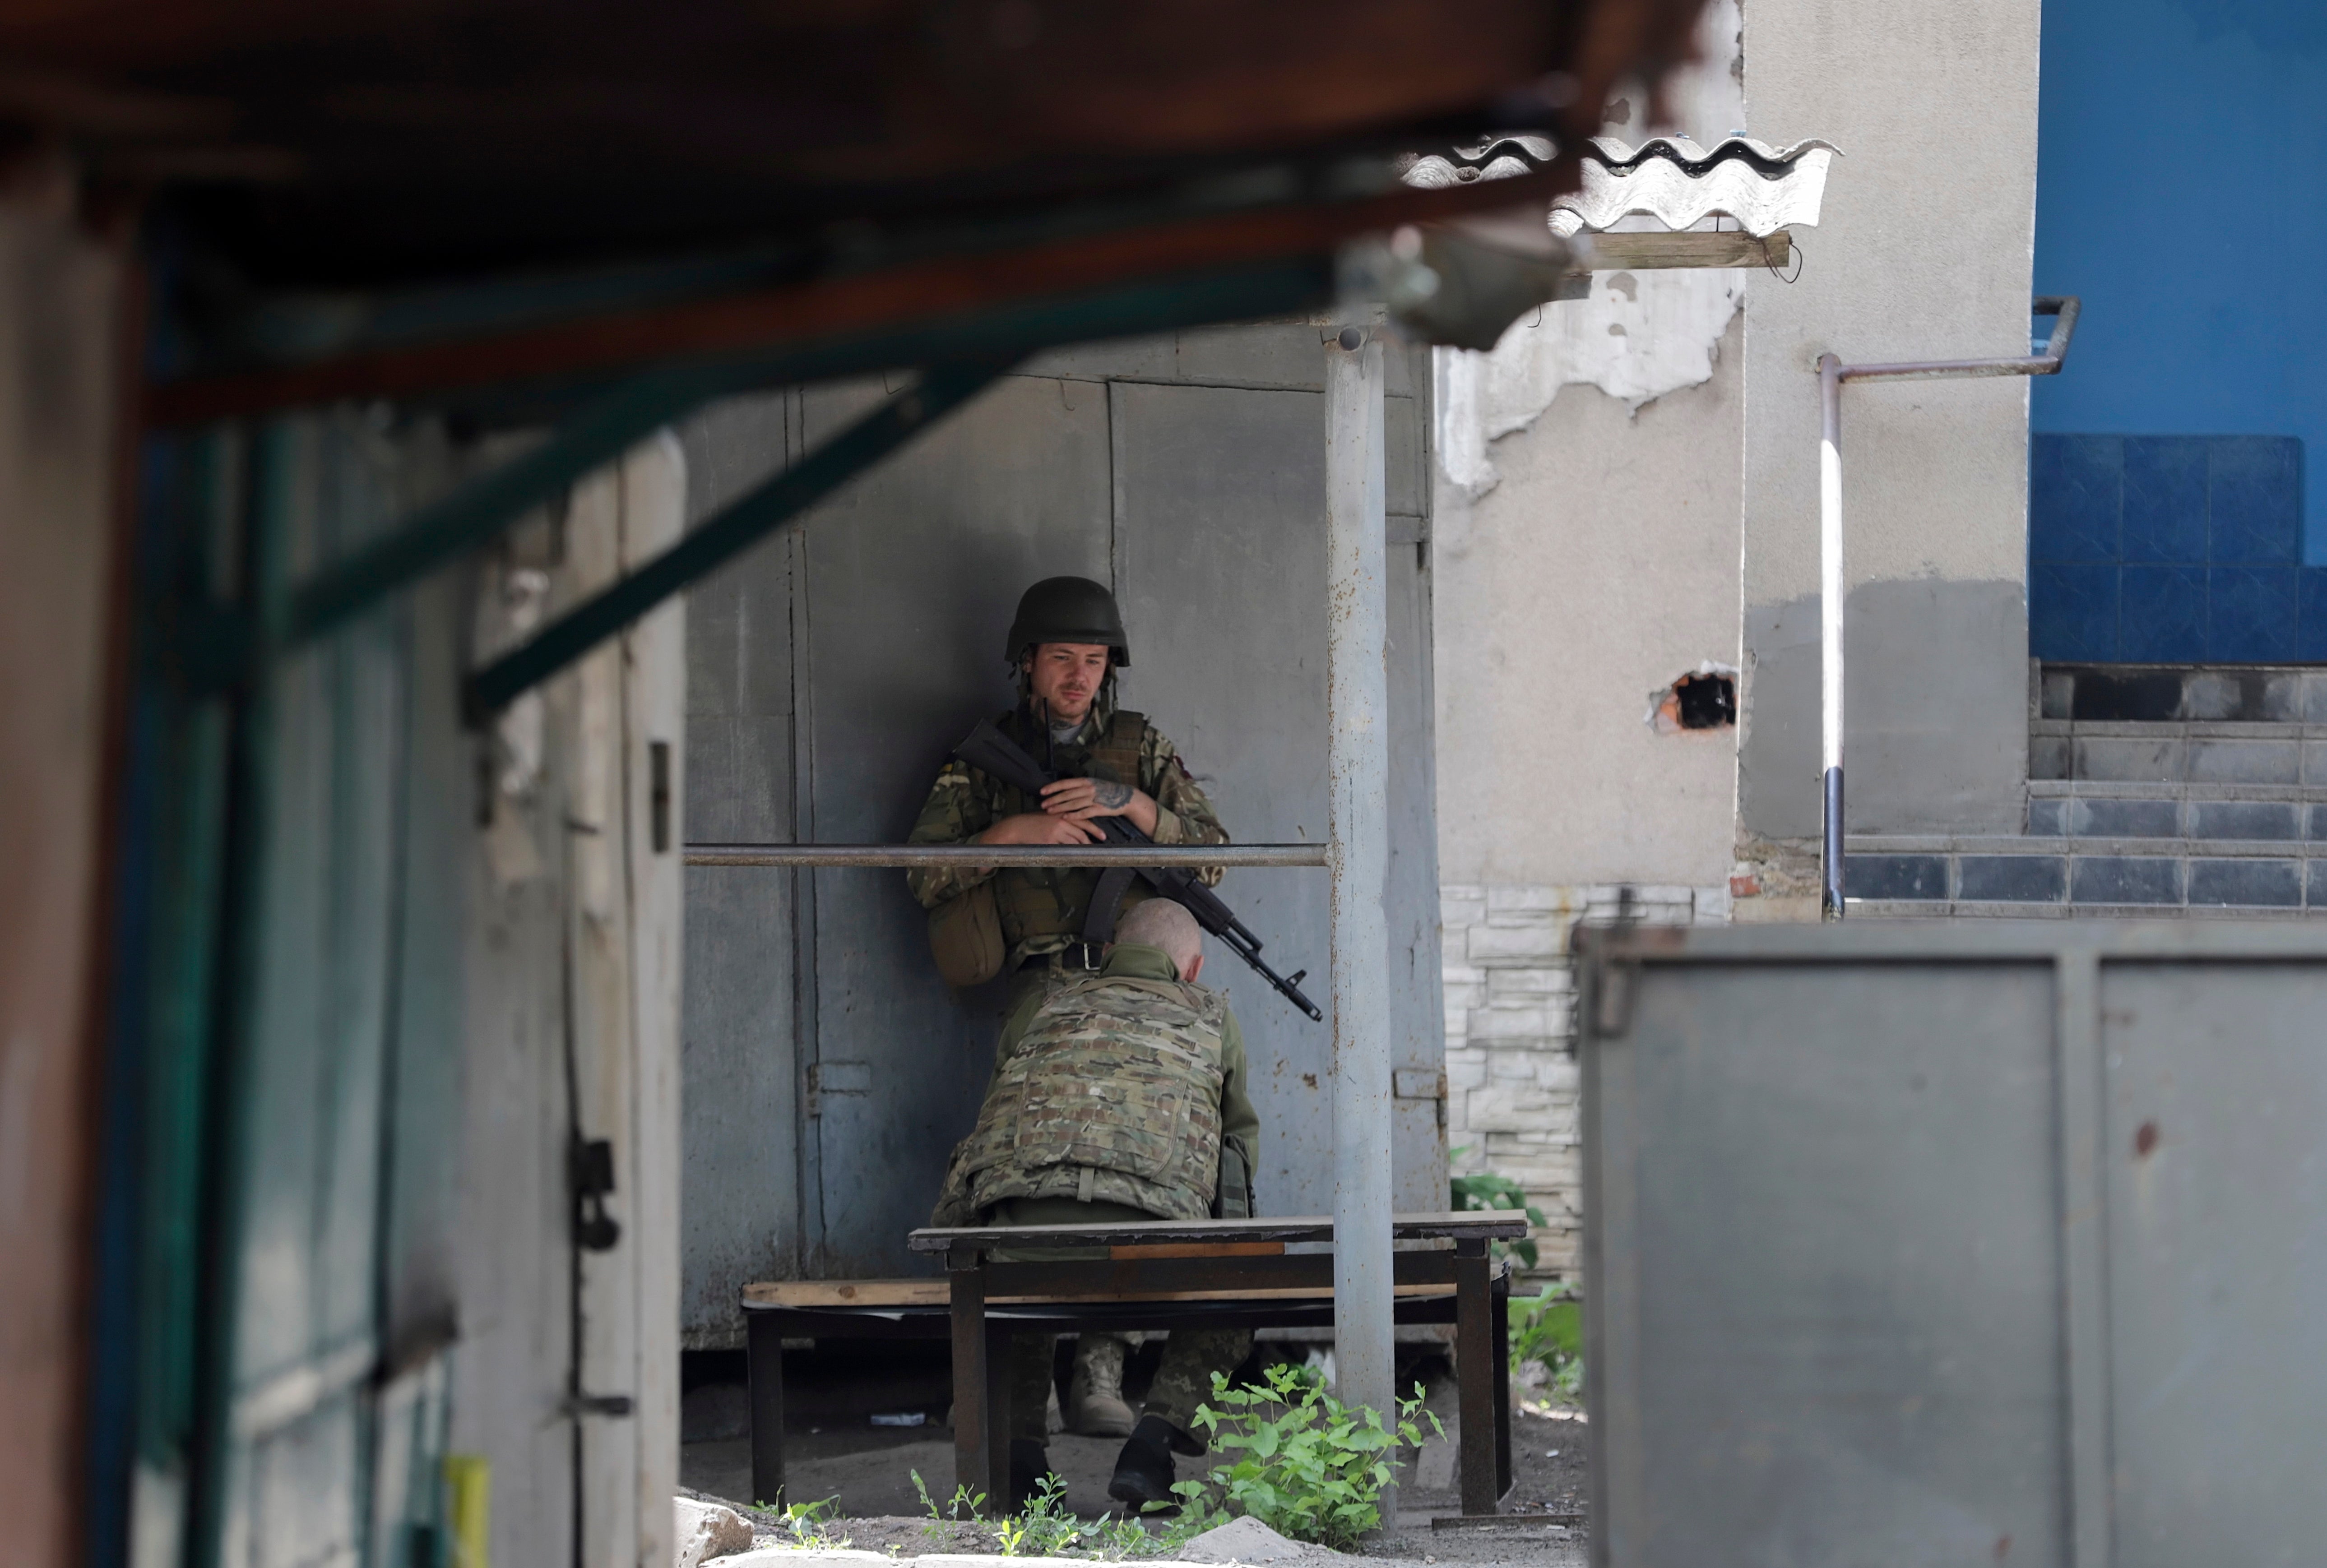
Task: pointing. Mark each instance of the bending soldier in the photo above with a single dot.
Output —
(1120, 1096)
(1066, 643)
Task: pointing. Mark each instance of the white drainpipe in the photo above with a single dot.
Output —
(1832, 374)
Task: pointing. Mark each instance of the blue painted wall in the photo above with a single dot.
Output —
(2181, 191)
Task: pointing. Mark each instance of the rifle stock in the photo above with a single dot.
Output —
(996, 755)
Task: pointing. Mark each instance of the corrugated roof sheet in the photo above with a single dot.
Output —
(1763, 188)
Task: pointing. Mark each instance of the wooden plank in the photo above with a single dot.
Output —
(1660, 249)
(1492, 1224)
(1201, 1249)
(929, 1292)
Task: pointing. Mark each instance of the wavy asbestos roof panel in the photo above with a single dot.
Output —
(1499, 159)
(1673, 180)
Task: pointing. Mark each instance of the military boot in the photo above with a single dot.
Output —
(1095, 1406)
(1143, 1472)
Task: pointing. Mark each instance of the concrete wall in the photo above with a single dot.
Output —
(1586, 553)
(1923, 252)
(59, 296)
(1601, 568)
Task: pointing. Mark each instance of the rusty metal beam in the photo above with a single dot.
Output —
(919, 297)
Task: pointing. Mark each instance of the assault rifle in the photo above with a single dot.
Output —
(997, 756)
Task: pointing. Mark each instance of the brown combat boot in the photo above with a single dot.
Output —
(1095, 1406)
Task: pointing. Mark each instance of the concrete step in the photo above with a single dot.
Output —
(2085, 875)
(2258, 693)
(2201, 817)
(2196, 752)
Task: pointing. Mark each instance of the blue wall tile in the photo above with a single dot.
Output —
(2250, 614)
(2165, 498)
(2255, 500)
(2162, 615)
(2311, 615)
(2072, 610)
(2074, 485)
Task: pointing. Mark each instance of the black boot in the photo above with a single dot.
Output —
(1028, 1465)
(1142, 1471)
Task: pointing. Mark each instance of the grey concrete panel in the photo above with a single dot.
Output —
(1816, 1351)
(1220, 510)
(1287, 355)
(734, 445)
(1416, 994)
(2217, 1258)
(913, 572)
(1124, 359)
(1937, 710)
(1406, 439)
(740, 1205)
(1242, 618)
(739, 1209)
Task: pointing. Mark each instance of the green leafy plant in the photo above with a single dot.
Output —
(963, 1505)
(1308, 1467)
(1045, 1528)
(1548, 1329)
(1484, 1190)
(805, 1523)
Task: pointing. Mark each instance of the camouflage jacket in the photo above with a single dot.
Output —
(1042, 910)
(1129, 1086)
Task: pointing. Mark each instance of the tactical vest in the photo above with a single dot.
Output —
(1046, 902)
(1113, 1094)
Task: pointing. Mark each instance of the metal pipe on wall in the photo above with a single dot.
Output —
(1832, 374)
(1188, 856)
(1357, 782)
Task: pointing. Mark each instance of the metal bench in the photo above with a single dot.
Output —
(1160, 1275)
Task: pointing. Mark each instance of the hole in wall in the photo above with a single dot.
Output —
(1706, 698)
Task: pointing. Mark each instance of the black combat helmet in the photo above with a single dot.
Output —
(1068, 610)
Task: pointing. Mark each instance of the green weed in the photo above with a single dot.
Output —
(1308, 1467)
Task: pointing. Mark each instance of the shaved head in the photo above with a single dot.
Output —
(1161, 922)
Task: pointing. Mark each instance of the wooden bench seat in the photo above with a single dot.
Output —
(1156, 1276)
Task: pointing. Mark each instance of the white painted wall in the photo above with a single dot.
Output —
(1923, 252)
(1601, 568)
(1587, 555)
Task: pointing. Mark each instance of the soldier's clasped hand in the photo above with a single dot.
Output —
(1080, 800)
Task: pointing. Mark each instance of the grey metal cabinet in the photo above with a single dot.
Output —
(1927, 1244)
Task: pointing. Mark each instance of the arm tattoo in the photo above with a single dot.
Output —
(1113, 795)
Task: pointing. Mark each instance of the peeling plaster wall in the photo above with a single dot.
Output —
(1922, 252)
(1603, 565)
(1587, 553)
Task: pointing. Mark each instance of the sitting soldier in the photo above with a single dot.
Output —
(1118, 1095)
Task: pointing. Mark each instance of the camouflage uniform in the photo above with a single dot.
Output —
(1137, 1027)
(1043, 909)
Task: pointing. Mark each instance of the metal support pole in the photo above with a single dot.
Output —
(1832, 373)
(1830, 616)
(1357, 769)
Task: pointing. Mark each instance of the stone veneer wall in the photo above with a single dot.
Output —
(1513, 1092)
